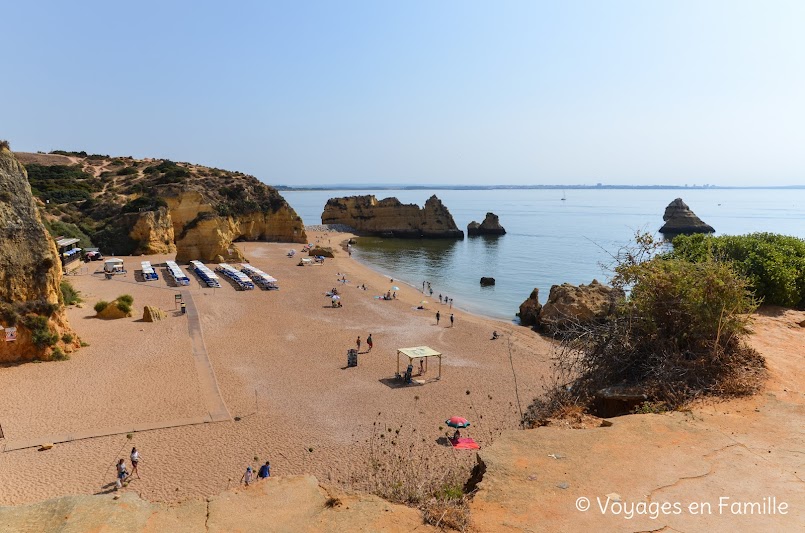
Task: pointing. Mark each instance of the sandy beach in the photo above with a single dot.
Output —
(280, 362)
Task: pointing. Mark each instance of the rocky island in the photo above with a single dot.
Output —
(132, 206)
(679, 219)
(490, 226)
(389, 217)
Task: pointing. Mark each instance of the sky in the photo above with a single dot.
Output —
(418, 92)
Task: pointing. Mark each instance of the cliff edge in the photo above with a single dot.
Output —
(30, 273)
(390, 217)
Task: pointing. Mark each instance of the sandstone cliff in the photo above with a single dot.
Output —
(490, 226)
(129, 206)
(30, 272)
(568, 305)
(679, 219)
(390, 217)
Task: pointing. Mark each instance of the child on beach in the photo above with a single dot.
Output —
(265, 471)
(247, 476)
(438, 316)
(121, 474)
(358, 342)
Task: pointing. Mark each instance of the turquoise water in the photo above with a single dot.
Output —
(549, 241)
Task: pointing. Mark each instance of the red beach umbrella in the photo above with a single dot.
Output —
(457, 422)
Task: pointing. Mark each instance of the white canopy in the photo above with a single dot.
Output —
(114, 260)
(418, 352)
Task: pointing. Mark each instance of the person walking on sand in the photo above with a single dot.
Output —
(121, 473)
(440, 298)
(369, 342)
(265, 471)
(451, 320)
(247, 476)
(438, 316)
(451, 303)
(135, 459)
(358, 342)
(423, 287)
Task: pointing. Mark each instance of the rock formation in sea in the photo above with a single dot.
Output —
(30, 273)
(490, 226)
(529, 309)
(129, 206)
(569, 304)
(390, 217)
(679, 219)
(487, 281)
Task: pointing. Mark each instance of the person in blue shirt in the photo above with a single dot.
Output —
(265, 471)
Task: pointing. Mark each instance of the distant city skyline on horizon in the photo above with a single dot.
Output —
(517, 93)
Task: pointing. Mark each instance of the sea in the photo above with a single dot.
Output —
(553, 236)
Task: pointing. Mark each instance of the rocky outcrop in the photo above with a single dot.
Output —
(390, 217)
(490, 226)
(30, 272)
(201, 233)
(153, 231)
(147, 206)
(568, 305)
(323, 251)
(114, 310)
(530, 309)
(679, 219)
(153, 314)
(487, 282)
(278, 504)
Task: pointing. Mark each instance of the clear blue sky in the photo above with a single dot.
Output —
(459, 92)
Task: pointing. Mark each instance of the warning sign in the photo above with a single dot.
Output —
(11, 334)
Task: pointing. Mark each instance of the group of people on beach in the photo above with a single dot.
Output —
(123, 473)
(428, 289)
(439, 316)
(369, 343)
(263, 473)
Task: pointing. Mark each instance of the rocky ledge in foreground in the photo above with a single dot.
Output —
(391, 218)
(282, 504)
(490, 226)
(679, 219)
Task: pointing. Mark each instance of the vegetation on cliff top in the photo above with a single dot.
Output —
(90, 199)
(774, 265)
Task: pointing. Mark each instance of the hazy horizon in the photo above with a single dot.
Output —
(417, 93)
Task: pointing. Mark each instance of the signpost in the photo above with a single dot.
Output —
(177, 299)
(11, 334)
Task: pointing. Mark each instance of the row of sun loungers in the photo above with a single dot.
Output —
(259, 277)
(207, 276)
(176, 273)
(241, 279)
(149, 274)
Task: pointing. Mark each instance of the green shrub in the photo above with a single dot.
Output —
(8, 314)
(41, 334)
(144, 203)
(70, 296)
(67, 338)
(127, 298)
(127, 171)
(58, 355)
(100, 306)
(773, 264)
(61, 183)
(124, 307)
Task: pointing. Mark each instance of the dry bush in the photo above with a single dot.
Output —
(4, 145)
(677, 336)
(448, 513)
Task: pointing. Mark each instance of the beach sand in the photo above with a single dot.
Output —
(280, 361)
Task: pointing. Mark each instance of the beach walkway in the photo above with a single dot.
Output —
(213, 401)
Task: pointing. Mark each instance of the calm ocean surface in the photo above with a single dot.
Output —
(549, 241)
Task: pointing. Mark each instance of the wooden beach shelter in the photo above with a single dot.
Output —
(419, 352)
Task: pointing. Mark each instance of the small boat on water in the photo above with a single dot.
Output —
(564, 197)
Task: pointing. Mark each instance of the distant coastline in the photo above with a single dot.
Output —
(376, 187)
